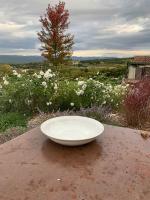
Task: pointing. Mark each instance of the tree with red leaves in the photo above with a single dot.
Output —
(56, 43)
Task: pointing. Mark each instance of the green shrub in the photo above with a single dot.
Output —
(5, 70)
(72, 73)
(26, 93)
(44, 91)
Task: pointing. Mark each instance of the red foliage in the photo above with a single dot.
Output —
(136, 103)
(56, 44)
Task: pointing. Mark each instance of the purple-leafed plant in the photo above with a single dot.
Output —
(137, 103)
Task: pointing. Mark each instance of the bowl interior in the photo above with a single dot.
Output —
(72, 128)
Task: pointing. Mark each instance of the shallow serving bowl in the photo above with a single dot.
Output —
(72, 130)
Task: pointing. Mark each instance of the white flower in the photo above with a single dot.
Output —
(39, 76)
(72, 104)
(44, 84)
(102, 84)
(6, 82)
(10, 101)
(41, 73)
(108, 95)
(35, 74)
(80, 83)
(84, 87)
(4, 78)
(79, 92)
(49, 103)
(29, 102)
(48, 74)
(1, 86)
(55, 86)
(15, 72)
(49, 70)
(24, 70)
(23, 85)
(19, 75)
(90, 79)
(104, 102)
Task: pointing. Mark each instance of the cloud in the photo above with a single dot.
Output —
(110, 27)
(126, 28)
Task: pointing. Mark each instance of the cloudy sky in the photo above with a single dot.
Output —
(101, 27)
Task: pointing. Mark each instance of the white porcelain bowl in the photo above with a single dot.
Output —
(72, 130)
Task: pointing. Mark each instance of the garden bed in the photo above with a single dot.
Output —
(38, 95)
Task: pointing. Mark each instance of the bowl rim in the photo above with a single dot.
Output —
(68, 117)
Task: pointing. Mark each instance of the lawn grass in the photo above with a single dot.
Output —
(9, 120)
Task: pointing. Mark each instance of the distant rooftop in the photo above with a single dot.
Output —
(141, 60)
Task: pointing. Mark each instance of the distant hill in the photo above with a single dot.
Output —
(14, 59)
(90, 58)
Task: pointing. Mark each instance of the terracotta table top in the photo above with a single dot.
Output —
(115, 167)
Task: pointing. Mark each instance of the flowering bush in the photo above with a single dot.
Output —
(93, 92)
(27, 93)
(44, 91)
(137, 102)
